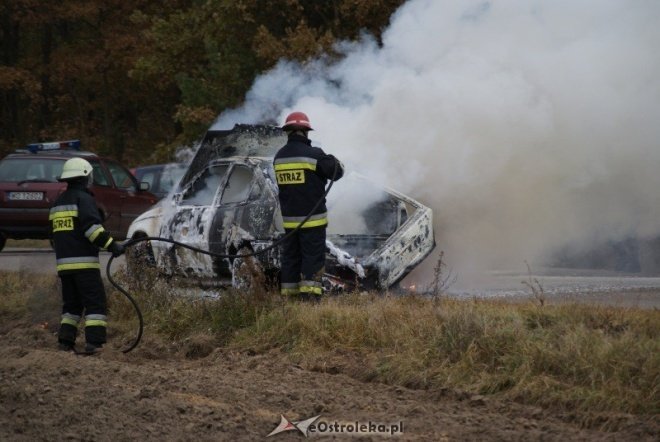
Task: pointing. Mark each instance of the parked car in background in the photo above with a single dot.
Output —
(29, 186)
(227, 202)
(161, 177)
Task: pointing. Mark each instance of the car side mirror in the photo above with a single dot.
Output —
(144, 185)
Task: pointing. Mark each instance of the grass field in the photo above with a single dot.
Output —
(569, 356)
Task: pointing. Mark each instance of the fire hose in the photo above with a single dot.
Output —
(134, 241)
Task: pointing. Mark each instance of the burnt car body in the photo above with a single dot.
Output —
(227, 202)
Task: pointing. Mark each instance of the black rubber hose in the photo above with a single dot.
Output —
(135, 306)
(133, 241)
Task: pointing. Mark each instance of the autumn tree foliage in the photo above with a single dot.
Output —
(135, 79)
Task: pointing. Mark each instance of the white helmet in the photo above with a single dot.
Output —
(75, 168)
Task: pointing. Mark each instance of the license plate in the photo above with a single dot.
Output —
(23, 196)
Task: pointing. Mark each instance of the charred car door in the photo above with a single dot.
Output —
(225, 208)
(244, 217)
(191, 220)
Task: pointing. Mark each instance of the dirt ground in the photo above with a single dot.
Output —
(156, 394)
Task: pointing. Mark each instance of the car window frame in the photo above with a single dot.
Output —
(220, 189)
(246, 199)
(104, 173)
(168, 169)
(39, 161)
(154, 173)
(222, 186)
(130, 176)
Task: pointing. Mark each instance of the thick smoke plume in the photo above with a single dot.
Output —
(525, 125)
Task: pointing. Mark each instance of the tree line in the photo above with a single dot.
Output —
(133, 80)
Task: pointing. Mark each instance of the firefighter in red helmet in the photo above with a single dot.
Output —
(302, 172)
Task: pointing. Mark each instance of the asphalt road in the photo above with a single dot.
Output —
(563, 285)
(35, 260)
(557, 285)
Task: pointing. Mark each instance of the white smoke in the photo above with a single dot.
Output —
(525, 125)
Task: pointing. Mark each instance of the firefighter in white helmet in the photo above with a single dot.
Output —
(78, 235)
(302, 172)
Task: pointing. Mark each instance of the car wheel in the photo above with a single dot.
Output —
(247, 273)
(3, 241)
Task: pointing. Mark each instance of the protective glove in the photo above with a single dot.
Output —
(116, 248)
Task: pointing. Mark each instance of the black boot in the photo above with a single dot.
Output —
(65, 346)
(92, 349)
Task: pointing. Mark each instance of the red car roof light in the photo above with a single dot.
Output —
(56, 145)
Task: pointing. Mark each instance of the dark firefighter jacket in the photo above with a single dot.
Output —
(77, 231)
(302, 172)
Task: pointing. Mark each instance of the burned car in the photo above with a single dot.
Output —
(227, 203)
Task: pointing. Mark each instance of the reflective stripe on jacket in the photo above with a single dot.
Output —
(78, 263)
(77, 232)
(302, 172)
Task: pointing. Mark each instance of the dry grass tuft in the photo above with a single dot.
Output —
(178, 314)
(569, 356)
(29, 297)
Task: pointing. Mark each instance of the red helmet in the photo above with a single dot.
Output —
(297, 121)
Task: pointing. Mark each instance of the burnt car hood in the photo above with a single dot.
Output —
(387, 233)
(376, 235)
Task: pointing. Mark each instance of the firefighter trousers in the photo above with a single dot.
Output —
(303, 262)
(83, 293)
